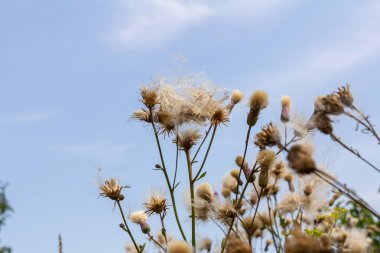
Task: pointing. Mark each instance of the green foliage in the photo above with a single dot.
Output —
(365, 220)
(5, 209)
(314, 232)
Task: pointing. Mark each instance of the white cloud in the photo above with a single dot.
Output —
(95, 150)
(27, 118)
(151, 23)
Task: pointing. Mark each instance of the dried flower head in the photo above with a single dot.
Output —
(290, 203)
(202, 210)
(302, 243)
(329, 104)
(225, 213)
(239, 162)
(268, 137)
(323, 123)
(235, 245)
(188, 138)
(138, 217)
(230, 183)
(357, 241)
(204, 191)
(141, 115)
(279, 169)
(345, 95)
(179, 247)
(112, 189)
(250, 225)
(156, 204)
(286, 104)
(300, 159)
(206, 244)
(220, 116)
(237, 96)
(149, 96)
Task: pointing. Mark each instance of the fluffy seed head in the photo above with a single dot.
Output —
(155, 204)
(149, 96)
(138, 217)
(329, 104)
(179, 247)
(258, 100)
(300, 160)
(235, 173)
(279, 169)
(235, 245)
(204, 191)
(323, 123)
(220, 116)
(250, 225)
(268, 137)
(111, 189)
(141, 115)
(188, 138)
(237, 96)
(206, 244)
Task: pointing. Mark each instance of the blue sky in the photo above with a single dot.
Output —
(70, 73)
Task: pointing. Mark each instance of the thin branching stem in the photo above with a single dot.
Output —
(163, 231)
(200, 145)
(157, 243)
(206, 155)
(356, 153)
(365, 118)
(171, 190)
(126, 226)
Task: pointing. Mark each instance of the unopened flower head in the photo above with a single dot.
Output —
(345, 95)
(257, 102)
(265, 160)
(111, 189)
(237, 96)
(138, 217)
(286, 104)
(179, 247)
(188, 138)
(268, 137)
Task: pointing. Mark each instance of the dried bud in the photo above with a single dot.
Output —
(149, 96)
(329, 104)
(237, 96)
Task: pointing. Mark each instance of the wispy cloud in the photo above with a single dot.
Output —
(27, 118)
(94, 150)
(151, 23)
(358, 41)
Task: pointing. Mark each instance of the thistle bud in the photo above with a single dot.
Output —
(145, 228)
(258, 101)
(286, 103)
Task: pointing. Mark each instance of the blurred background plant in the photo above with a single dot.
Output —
(5, 209)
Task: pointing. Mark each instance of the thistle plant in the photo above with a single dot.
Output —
(282, 201)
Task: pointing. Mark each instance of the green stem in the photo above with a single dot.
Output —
(171, 190)
(205, 158)
(191, 182)
(200, 146)
(126, 226)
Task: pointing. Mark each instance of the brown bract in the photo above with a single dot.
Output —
(268, 137)
(345, 95)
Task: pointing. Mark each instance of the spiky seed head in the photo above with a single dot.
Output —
(269, 136)
(138, 217)
(300, 160)
(225, 213)
(179, 247)
(111, 188)
(188, 138)
(220, 116)
(237, 96)
(149, 96)
(204, 191)
(345, 95)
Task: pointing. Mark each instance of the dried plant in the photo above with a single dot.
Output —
(285, 201)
